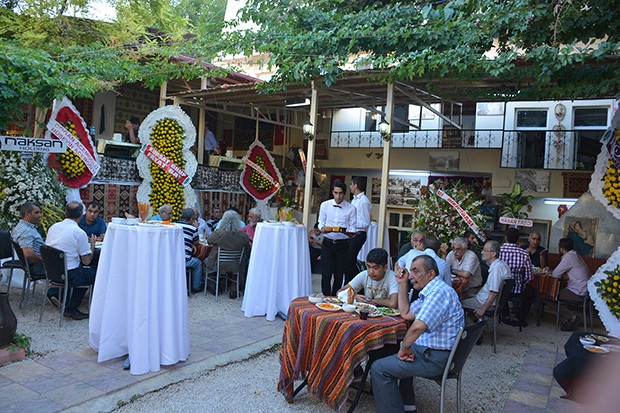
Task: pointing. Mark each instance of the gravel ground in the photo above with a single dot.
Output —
(250, 385)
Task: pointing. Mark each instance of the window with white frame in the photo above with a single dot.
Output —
(589, 124)
(531, 125)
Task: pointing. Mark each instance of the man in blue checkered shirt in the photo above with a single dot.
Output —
(437, 316)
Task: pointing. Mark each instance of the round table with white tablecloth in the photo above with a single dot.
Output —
(279, 270)
(371, 241)
(139, 304)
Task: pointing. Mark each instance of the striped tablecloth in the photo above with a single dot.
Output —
(546, 286)
(324, 348)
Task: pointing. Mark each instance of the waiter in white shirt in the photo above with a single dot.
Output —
(337, 220)
(363, 209)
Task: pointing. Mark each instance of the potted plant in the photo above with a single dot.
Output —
(511, 203)
(17, 350)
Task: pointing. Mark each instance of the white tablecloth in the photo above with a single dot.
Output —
(279, 270)
(371, 241)
(139, 304)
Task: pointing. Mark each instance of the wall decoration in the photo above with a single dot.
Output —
(490, 108)
(535, 181)
(560, 112)
(582, 230)
(443, 160)
(401, 191)
(320, 149)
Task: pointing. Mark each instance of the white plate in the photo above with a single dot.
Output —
(328, 307)
(587, 341)
(389, 311)
(611, 347)
(596, 349)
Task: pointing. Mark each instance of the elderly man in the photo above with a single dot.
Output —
(165, 213)
(26, 235)
(377, 281)
(465, 266)
(190, 237)
(254, 217)
(538, 254)
(498, 271)
(363, 210)
(417, 238)
(404, 261)
(335, 213)
(573, 267)
(436, 318)
(228, 236)
(91, 223)
(79, 249)
(521, 268)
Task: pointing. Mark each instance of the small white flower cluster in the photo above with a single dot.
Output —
(24, 180)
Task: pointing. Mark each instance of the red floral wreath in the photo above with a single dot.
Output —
(255, 152)
(66, 114)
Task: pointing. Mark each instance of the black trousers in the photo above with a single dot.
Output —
(355, 245)
(333, 261)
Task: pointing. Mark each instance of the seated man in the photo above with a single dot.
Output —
(26, 235)
(465, 266)
(379, 283)
(575, 269)
(431, 247)
(91, 223)
(437, 316)
(79, 249)
(254, 217)
(498, 271)
(165, 213)
(538, 254)
(190, 237)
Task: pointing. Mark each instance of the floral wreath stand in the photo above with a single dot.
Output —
(260, 177)
(607, 192)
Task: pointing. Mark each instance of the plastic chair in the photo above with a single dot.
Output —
(505, 290)
(585, 302)
(464, 343)
(226, 256)
(55, 264)
(29, 279)
(6, 251)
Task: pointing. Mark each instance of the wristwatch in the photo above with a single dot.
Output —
(403, 347)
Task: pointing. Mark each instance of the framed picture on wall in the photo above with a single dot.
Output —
(582, 230)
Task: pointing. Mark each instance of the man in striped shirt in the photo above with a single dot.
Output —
(190, 236)
(521, 269)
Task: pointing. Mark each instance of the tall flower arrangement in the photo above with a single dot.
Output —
(171, 132)
(24, 180)
(437, 218)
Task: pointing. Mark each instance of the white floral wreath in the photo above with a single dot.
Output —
(177, 114)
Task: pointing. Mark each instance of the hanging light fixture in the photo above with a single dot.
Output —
(384, 130)
(308, 129)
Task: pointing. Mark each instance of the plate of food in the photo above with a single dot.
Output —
(587, 341)
(328, 307)
(316, 298)
(389, 311)
(596, 349)
(611, 347)
(598, 338)
(333, 300)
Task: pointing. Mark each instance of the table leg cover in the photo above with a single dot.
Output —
(325, 347)
(279, 270)
(139, 304)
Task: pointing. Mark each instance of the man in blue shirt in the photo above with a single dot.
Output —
(437, 316)
(91, 223)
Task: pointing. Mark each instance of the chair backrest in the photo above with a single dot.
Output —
(21, 257)
(504, 293)
(55, 264)
(464, 343)
(230, 255)
(5, 244)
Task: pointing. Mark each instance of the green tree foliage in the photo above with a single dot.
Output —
(553, 49)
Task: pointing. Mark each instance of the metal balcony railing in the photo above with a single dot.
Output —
(541, 149)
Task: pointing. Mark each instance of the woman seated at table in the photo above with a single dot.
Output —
(379, 283)
(230, 237)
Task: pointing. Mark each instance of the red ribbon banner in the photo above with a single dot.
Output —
(166, 164)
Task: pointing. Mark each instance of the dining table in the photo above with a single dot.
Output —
(279, 269)
(323, 348)
(371, 241)
(139, 305)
